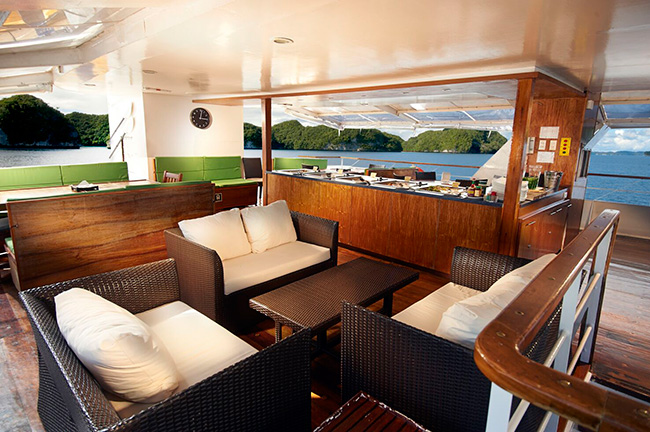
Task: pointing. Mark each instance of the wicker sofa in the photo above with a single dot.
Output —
(202, 268)
(269, 390)
(430, 379)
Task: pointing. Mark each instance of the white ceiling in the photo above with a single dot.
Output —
(213, 49)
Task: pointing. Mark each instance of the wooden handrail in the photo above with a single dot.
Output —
(498, 349)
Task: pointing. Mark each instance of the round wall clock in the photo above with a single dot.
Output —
(201, 118)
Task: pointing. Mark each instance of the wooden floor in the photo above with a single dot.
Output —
(621, 359)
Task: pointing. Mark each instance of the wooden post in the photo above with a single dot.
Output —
(267, 161)
(510, 209)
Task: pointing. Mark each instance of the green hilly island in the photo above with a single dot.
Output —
(291, 135)
(28, 122)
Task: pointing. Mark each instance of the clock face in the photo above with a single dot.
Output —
(201, 118)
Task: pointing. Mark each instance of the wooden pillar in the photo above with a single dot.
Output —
(510, 209)
(267, 161)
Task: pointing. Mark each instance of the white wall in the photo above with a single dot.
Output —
(170, 133)
(124, 98)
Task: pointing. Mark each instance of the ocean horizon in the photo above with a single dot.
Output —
(627, 191)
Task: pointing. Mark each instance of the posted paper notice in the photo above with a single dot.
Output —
(549, 132)
(545, 157)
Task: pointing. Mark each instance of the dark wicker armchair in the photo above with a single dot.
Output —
(269, 390)
(202, 269)
(429, 379)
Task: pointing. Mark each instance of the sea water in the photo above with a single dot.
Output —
(629, 191)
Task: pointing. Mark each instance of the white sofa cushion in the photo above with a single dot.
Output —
(199, 346)
(427, 313)
(268, 226)
(222, 232)
(252, 269)
(463, 321)
(119, 349)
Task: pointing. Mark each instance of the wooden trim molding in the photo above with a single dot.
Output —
(267, 158)
(510, 209)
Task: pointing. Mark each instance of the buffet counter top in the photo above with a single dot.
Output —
(438, 189)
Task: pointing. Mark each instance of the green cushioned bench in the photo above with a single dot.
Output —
(190, 166)
(30, 177)
(61, 175)
(95, 173)
(281, 163)
(221, 170)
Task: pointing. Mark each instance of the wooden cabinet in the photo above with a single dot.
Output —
(543, 231)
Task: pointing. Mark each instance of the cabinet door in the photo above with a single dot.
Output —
(529, 233)
(544, 232)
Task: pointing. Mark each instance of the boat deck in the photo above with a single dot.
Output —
(622, 351)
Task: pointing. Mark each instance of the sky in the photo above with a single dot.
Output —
(67, 101)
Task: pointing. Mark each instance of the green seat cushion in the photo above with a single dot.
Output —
(30, 177)
(95, 173)
(233, 182)
(221, 168)
(296, 163)
(190, 166)
(10, 244)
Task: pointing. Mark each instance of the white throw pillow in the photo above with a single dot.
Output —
(222, 232)
(464, 320)
(268, 226)
(118, 348)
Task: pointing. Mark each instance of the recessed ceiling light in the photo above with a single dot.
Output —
(149, 71)
(282, 40)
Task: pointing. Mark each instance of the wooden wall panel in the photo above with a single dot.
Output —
(464, 224)
(61, 238)
(370, 219)
(279, 188)
(568, 115)
(335, 201)
(413, 229)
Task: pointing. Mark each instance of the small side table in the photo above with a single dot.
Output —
(365, 413)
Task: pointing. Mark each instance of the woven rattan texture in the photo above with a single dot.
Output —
(266, 392)
(479, 269)
(433, 381)
(315, 302)
(318, 231)
(200, 272)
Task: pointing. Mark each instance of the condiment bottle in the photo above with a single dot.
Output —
(471, 191)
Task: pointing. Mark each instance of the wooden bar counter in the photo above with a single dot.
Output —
(407, 226)
(412, 227)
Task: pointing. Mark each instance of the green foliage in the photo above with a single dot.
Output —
(456, 141)
(93, 129)
(291, 135)
(28, 121)
(252, 136)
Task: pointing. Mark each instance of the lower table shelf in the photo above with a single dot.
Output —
(365, 413)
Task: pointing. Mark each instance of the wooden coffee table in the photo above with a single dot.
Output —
(315, 301)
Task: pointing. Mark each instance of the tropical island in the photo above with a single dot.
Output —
(292, 135)
(28, 122)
